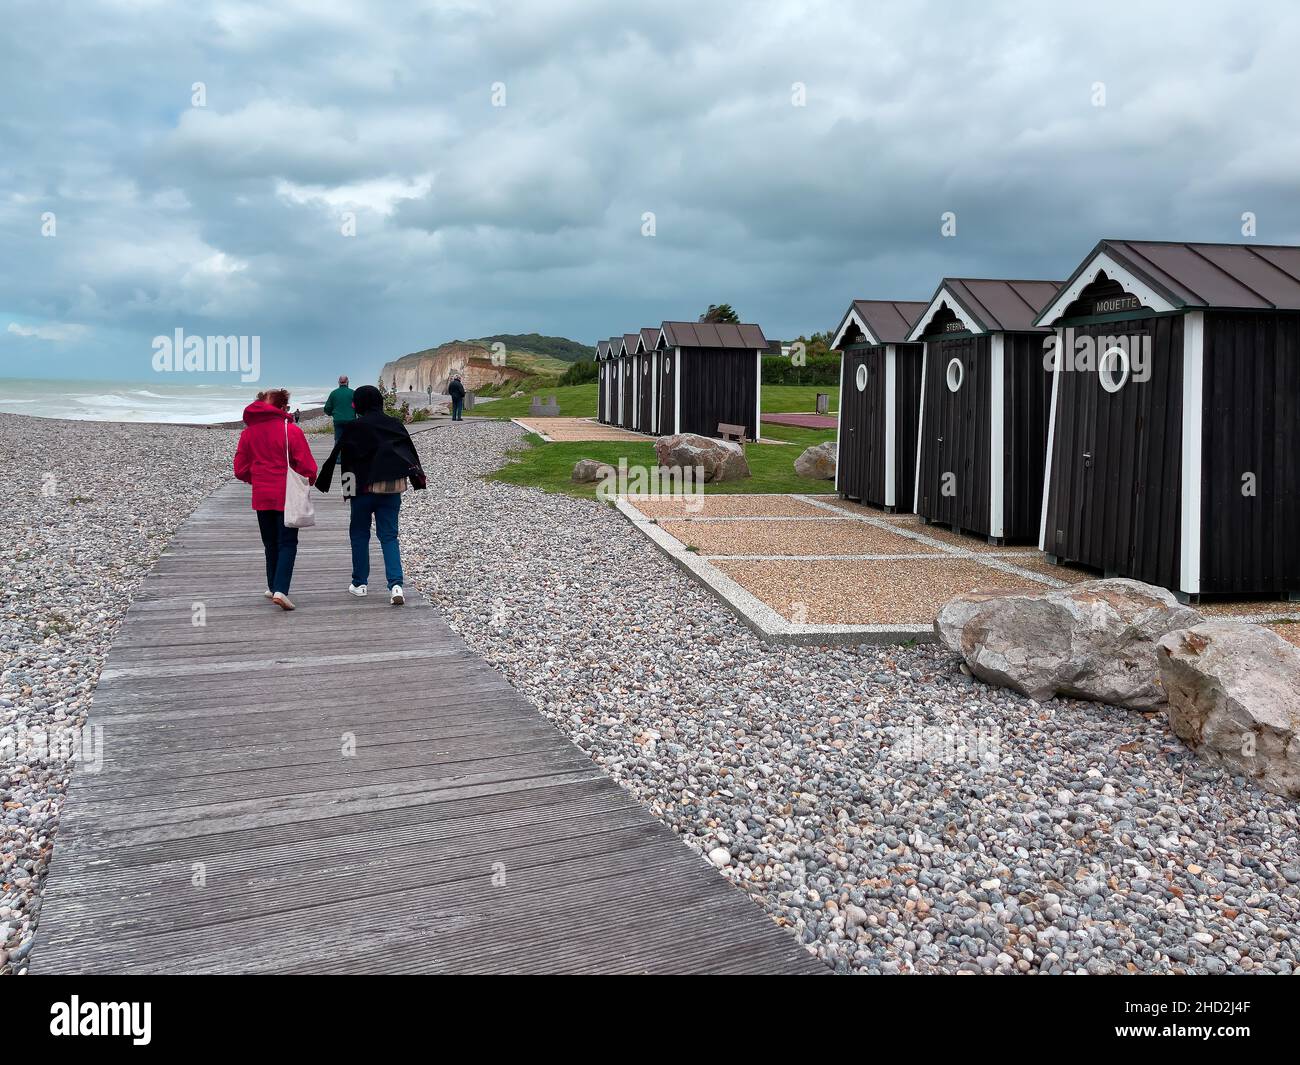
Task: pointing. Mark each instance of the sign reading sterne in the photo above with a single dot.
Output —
(957, 326)
(133, 1019)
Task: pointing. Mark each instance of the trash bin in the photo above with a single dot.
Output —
(823, 403)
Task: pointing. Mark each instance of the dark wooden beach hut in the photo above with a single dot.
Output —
(880, 396)
(647, 377)
(1174, 453)
(630, 363)
(985, 393)
(712, 374)
(604, 407)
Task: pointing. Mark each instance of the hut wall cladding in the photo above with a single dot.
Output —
(645, 396)
(667, 405)
(601, 391)
(1251, 425)
(1117, 459)
(1027, 402)
(955, 436)
(862, 439)
(625, 395)
(717, 385)
(862, 432)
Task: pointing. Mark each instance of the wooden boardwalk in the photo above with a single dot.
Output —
(227, 830)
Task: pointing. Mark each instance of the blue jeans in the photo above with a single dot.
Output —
(384, 508)
(281, 546)
(338, 429)
(457, 406)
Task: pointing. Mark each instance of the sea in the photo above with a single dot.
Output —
(151, 401)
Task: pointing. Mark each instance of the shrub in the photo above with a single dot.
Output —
(818, 370)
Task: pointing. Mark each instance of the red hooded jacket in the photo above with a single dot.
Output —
(259, 459)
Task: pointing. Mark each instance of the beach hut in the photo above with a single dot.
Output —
(712, 374)
(880, 397)
(604, 406)
(985, 392)
(1174, 453)
(647, 378)
(630, 361)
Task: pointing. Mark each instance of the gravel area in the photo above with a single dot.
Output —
(862, 591)
(85, 509)
(729, 506)
(791, 538)
(894, 814)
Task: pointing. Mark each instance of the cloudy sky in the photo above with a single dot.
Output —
(794, 156)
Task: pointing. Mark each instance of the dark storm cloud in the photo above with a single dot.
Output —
(472, 219)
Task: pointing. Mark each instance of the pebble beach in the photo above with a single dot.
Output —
(85, 510)
(893, 814)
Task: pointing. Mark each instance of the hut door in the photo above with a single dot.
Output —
(872, 446)
(852, 435)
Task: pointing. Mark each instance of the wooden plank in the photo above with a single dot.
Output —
(223, 753)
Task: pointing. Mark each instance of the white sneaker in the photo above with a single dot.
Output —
(282, 601)
(269, 594)
(359, 590)
(395, 596)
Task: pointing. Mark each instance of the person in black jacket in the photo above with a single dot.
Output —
(379, 463)
(457, 392)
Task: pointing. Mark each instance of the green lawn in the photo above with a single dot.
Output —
(550, 466)
(786, 399)
(579, 401)
(576, 401)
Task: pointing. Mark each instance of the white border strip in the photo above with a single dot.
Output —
(891, 394)
(941, 297)
(1193, 398)
(1051, 443)
(997, 436)
(839, 418)
(920, 431)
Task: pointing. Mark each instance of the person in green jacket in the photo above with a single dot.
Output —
(339, 406)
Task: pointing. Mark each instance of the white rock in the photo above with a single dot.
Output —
(1234, 695)
(721, 460)
(817, 462)
(720, 856)
(1094, 640)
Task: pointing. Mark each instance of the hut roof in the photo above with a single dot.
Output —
(630, 341)
(1171, 276)
(989, 305)
(602, 349)
(879, 321)
(712, 335)
(648, 337)
(616, 346)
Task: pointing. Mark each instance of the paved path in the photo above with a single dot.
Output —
(802, 421)
(228, 832)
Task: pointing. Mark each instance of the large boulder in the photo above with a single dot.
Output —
(722, 460)
(1095, 640)
(1234, 696)
(585, 471)
(817, 462)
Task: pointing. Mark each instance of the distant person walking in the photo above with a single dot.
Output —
(457, 392)
(379, 463)
(339, 406)
(267, 448)
(297, 415)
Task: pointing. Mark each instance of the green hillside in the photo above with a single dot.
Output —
(560, 348)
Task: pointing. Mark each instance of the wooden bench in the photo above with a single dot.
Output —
(731, 432)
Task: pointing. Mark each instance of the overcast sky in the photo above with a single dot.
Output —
(472, 219)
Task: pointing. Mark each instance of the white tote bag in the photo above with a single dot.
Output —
(299, 511)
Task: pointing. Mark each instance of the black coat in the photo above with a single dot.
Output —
(373, 447)
(456, 390)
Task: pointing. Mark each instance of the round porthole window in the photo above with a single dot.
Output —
(668, 365)
(955, 375)
(645, 368)
(1113, 369)
(861, 378)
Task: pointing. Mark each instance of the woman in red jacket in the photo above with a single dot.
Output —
(269, 433)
